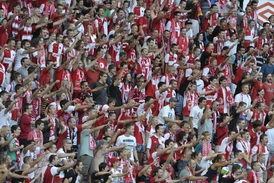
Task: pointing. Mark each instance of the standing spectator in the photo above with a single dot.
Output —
(25, 124)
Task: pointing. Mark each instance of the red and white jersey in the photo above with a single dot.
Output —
(139, 133)
(257, 115)
(208, 72)
(139, 12)
(260, 42)
(2, 74)
(55, 50)
(8, 59)
(213, 19)
(249, 36)
(174, 27)
(244, 146)
(26, 32)
(114, 51)
(254, 15)
(183, 44)
(102, 25)
(190, 59)
(212, 96)
(167, 78)
(226, 147)
(169, 135)
(218, 45)
(48, 173)
(40, 57)
(171, 58)
(234, 20)
(47, 8)
(260, 149)
(170, 93)
(15, 24)
(145, 66)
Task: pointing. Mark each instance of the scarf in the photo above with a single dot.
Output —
(49, 9)
(245, 147)
(125, 91)
(173, 32)
(206, 146)
(35, 137)
(52, 129)
(36, 103)
(72, 135)
(183, 43)
(191, 101)
(255, 176)
(92, 143)
(18, 153)
(261, 42)
(228, 98)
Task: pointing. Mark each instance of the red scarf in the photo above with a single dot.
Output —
(17, 145)
(229, 99)
(191, 101)
(206, 147)
(125, 87)
(261, 42)
(183, 44)
(255, 176)
(36, 103)
(52, 128)
(49, 8)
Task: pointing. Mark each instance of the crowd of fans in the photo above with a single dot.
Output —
(135, 91)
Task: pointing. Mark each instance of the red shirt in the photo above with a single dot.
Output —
(3, 36)
(92, 76)
(255, 136)
(144, 22)
(78, 76)
(25, 126)
(102, 63)
(221, 133)
(62, 75)
(268, 92)
(44, 77)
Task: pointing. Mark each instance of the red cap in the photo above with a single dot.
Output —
(113, 160)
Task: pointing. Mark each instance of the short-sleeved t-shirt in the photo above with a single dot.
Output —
(99, 96)
(129, 141)
(85, 139)
(184, 173)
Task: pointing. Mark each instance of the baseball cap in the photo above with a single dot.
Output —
(113, 160)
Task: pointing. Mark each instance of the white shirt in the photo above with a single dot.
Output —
(129, 141)
(240, 97)
(270, 134)
(196, 113)
(234, 49)
(18, 58)
(5, 118)
(166, 111)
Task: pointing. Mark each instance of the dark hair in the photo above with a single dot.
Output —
(262, 137)
(201, 99)
(257, 123)
(38, 123)
(157, 127)
(180, 136)
(14, 128)
(102, 166)
(51, 158)
(26, 107)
